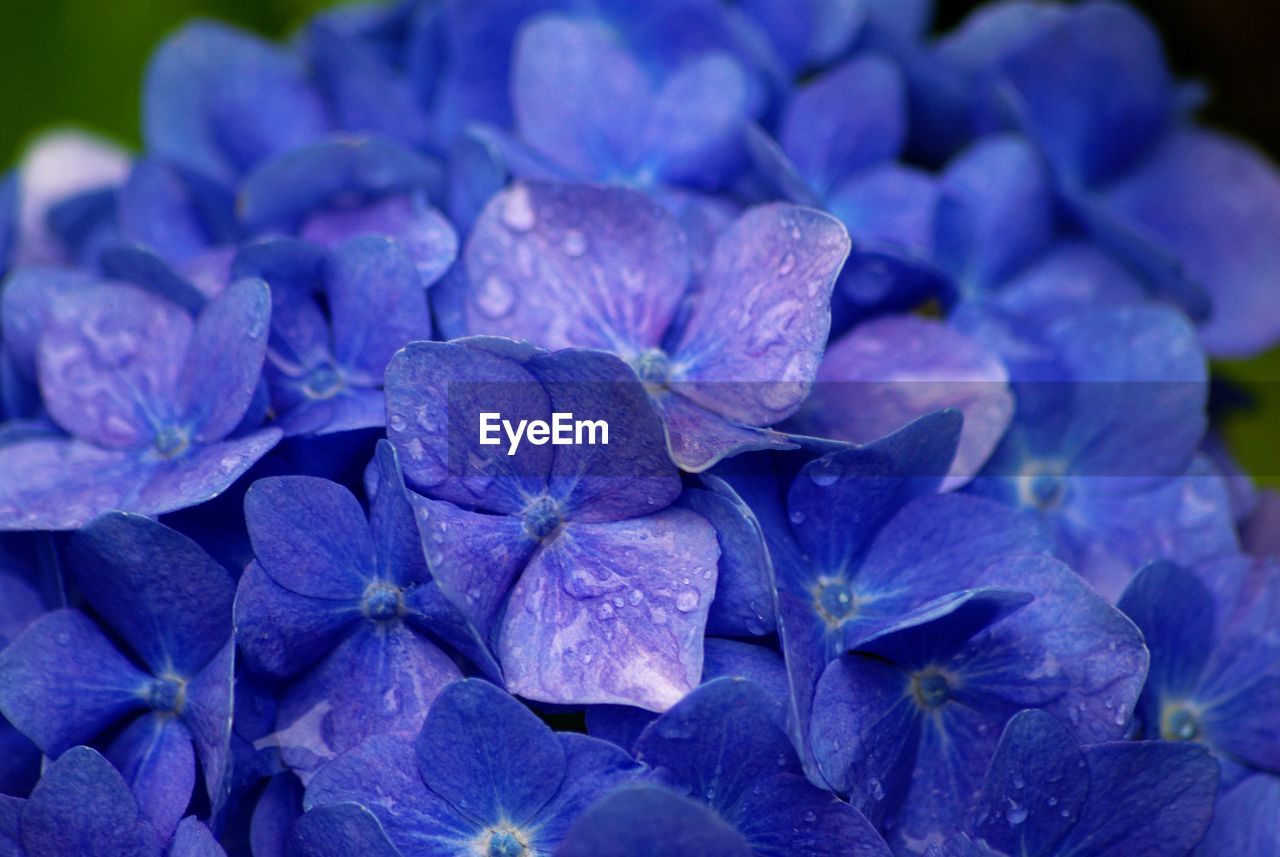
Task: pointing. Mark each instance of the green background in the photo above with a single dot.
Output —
(80, 62)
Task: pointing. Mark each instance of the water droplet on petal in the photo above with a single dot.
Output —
(1017, 814)
(398, 422)
(810, 817)
(788, 263)
(495, 298)
(635, 597)
(574, 244)
(517, 211)
(687, 600)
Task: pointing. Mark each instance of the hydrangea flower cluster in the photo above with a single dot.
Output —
(908, 530)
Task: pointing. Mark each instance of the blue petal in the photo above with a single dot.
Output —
(696, 122)
(176, 217)
(593, 769)
(82, 806)
(813, 32)
(574, 265)
(828, 142)
(488, 755)
(790, 816)
(220, 101)
(193, 839)
(339, 830)
(1093, 90)
(281, 632)
(644, 821)
(436, 392)
(1246, 820)
(1213, 202)
(579, 96)
(698, 438)
(277, 809)
(284, 191)
(1146, 798)
(407, 218)
(156, 588)
(743, 605)
(311, 536)
(625, 603)
(208, 714)
(377, 303)
(231, 336)
(140, 267)
(380, 679)
(57, 700)
(156, 759)
(1034, 789)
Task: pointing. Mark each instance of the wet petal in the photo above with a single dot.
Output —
(624, 604)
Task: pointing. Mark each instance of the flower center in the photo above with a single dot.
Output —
(834, 600)
(1042, 485)
(541, 518)
(383, 602)
(1180, 723)
(653, 368)
(324, 382)
(930, 688)
(506, 843)
(171, 441)
(167, 694)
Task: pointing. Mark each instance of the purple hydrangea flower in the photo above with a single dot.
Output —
(64, 681)
(128, 376)
(565, 549)
(566, 265)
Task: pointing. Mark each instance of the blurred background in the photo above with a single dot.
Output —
(80, 62)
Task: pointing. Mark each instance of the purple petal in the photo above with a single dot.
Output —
(889, 371)
(32, 298)
(200, 476)
(698, 438)
(578, 95)
(623, 605)
(483, 751)
(58, 700)
(475, 558)
(420, 230)
(644, 821)
(762, 316)
(889, 208)
(377, 303)
(789, 815)
(231, 337)
(162, 210)
(82, 806)
(380, 679)
(281, 632)
(219, 101)
(1246, 820)
(574, 265)
(109, 368)
(274, 815)
(57, 484)
(311, 536)
(156, 759)
(810, 32)
(826, 140)
(158, 589)
(436, 392)
(1214, 202)
(743, 605)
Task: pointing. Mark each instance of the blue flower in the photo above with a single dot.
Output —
(64, 681)
(339, 601)
(1246, 820)
(1104, 446)
(1215, 659)
(567, 548)
(129, 376)
(1046, 794)
(484, 776)
(568, 265)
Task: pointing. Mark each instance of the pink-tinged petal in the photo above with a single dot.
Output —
(576, 265)
(613, 613)
(762, 315)
(887, 372)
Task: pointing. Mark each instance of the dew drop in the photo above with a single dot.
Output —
(877, 789)
(810, 817)
(687, 600)
(1017, 814)
(788, 263)
(398, 422)
(517, 211)
(797, 517)
(635, 597)
(495, 298)
(574, 244)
